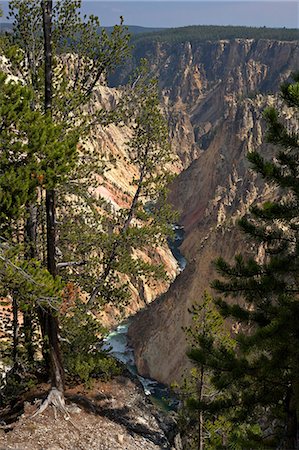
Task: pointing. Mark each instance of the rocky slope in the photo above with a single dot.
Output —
(110, 416)
(214, 93)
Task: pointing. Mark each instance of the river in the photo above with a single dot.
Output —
(116, 342)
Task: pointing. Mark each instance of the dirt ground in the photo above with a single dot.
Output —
(111, 416)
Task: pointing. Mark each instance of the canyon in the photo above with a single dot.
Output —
(214, 94)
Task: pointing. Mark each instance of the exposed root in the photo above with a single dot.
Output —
(56, 400)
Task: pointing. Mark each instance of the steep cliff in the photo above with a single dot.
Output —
(214, 94)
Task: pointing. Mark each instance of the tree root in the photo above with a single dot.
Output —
(54, 399)
(57, 401)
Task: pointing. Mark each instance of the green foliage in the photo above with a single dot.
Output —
(200, 420)
(262, 379)
(28, 279)
(97, 248)
(16, 185)
(39, 151)
(110, 240)
(200, 33)
(82, 55)
(81, 333)
(32, 152)
(27, 286)
(14, 385)
(85, 367)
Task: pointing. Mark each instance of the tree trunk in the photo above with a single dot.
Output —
(50, 329)
(291, 441)
(200, 430)
(30, 233)
(15, 330)
(200, 445)
(292, 433)
(28, 319)
(49, 322)
(47, 7)
(51, 232)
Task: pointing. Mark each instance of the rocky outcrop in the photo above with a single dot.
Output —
(113, 415)
(214, 93)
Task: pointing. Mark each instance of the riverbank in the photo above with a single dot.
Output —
(116, 343)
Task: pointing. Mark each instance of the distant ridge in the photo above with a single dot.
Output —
(132, 29)
(136, 30)
(216, 33)
(198, 33)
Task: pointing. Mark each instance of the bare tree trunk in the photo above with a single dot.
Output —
(50, 325)
(51, 232)
(47, 8)
(292, 432)
(200, 431)
(200, 445)
(15, 330)
(30, 234)
(50, 329)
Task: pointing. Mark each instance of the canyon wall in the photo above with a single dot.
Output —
(116, 186)
(214, 94)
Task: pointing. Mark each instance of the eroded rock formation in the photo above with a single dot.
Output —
(214, 94)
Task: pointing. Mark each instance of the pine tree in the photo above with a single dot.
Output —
(17, 185)
(24, 166)
(260, 379)
(42, 32)
(59, 172)
(206, 420)
(147, 220)
(207, 330)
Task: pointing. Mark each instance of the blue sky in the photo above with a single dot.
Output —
(169, 13)
(160, 13)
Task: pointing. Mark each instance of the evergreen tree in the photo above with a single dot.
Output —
(260, 379)
(42, 32)
(203, 424)
(197, 390)
(25, 167)
(59, 174)
(17, 184)
(147, 220)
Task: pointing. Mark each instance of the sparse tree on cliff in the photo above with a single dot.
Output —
(147, 220)
(42, 32)
(260, 379)
(61, 85)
